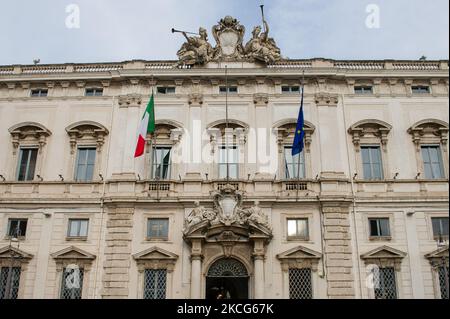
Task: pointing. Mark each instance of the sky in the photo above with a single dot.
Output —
(121, 30)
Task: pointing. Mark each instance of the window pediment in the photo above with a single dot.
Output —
(370, 129)
(285, 132)
(299, 257)
(167, 132)
(72, 253)
(7, 252)
(384, 252)
(438, 254)
(155, 258)
(30, 133)
(86, 132)
(429, 131)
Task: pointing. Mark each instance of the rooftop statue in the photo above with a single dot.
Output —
(229, 35)
(196, 50)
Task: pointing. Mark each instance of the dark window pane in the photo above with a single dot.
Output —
(155, 284)
(374, 231)
(371, 161)
(158, 228)
(11, 280)
(432, 162)
(27, 164)
(72, 283)
(440, 226)
(17, 227)
(385, 283)
(85, 164)
(300, 283)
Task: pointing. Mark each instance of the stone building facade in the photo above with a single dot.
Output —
(80, 217)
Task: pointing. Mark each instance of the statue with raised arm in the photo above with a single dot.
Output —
(196, 49)
(261, 47)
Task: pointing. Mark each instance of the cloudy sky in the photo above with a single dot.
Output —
(117, 30)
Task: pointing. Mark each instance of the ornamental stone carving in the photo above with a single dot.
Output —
(229, 36)
(227, 211)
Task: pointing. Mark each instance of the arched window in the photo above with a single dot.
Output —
(227, 267)
(86, 142)
(28, 141)
(370, 138)
(430, 138)
(293, 167)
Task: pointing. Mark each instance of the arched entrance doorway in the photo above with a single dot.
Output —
(227, 278)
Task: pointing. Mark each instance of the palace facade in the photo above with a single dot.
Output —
(218, 205)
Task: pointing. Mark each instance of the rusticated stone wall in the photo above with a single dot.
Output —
(117, 253)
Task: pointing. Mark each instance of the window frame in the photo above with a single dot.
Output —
(370, 147)
(39, 92)
(232, 89)
(28, 148)
(418, 89)
(428, 146)
(78, 236)
(168, 90)
(77, 163)
(15, 286)
(379, 228)
(298, 237)
(290, 89)
(62, 286)
(302, 170)
(434, 236)
(155, 163)
(8, 229)
(363, 89)
(157, 279)
(157, 238)
(96, 92)
(396, 283)
(223, 152)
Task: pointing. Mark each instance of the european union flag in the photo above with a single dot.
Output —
(298, 145)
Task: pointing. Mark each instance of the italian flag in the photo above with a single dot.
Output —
(147, 127)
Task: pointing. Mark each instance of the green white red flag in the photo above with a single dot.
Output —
(147, 126)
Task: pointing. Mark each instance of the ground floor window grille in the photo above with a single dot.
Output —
(300, 283)
(443, 281)
(155, 284)
(72, 283)
(385, 283)
(11, 282)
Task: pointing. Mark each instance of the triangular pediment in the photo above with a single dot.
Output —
(155, 253)
(299, 252)
(384, 252)
(73, 252)
(438, 253)
(8, 251)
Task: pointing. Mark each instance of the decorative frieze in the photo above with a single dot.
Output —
(130, 100)
(326, 99)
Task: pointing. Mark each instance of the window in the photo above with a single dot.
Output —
(371, 160)
(39, 93)
(298, 228)
(440, 227)
(93, 92)
(363, 90)
(420, 89)
(290, 89)
(379, 227)
(165, 90)
(294, 165)
(161, 162)
(300, 283)
(155, 283)
(432, 162)
(443, 281)
(84, 169)
(385, 283)
(27, 164)
(158, 228)
(9, 280)
(232, 163)
(17, 227)
(78, 228)
(72, 283)
(231, 89)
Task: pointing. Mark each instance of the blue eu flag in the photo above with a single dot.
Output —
(298, 145)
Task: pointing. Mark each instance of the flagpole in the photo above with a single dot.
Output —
(299, 154)
(226, 124)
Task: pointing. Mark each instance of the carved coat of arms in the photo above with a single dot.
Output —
(229, 35)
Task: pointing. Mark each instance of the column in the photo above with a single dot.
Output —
(196, 269)
(258, 264)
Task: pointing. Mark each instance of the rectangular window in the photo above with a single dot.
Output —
(420, 89)
(440, 227)
(443, 281)
(290, 89)
(93, 92)
(371, 160)
(72, 283)
(385, 283)
(298, 228)
(231, 89)
(379, 227)
(158, 228)
(39, 93)
(155, 283)
(294, 165)
(300, 283)
(17, 227)
(84, 169)
(161, 162)
(27, 164)
(11, 280)
(432, 162)
(78, 228)
(363, 89)
(165, 90)
(232, 163)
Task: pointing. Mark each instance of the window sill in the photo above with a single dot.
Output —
(76, 238)
(293, 239)
(162, 239)
(380, 238)
(20, 238)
